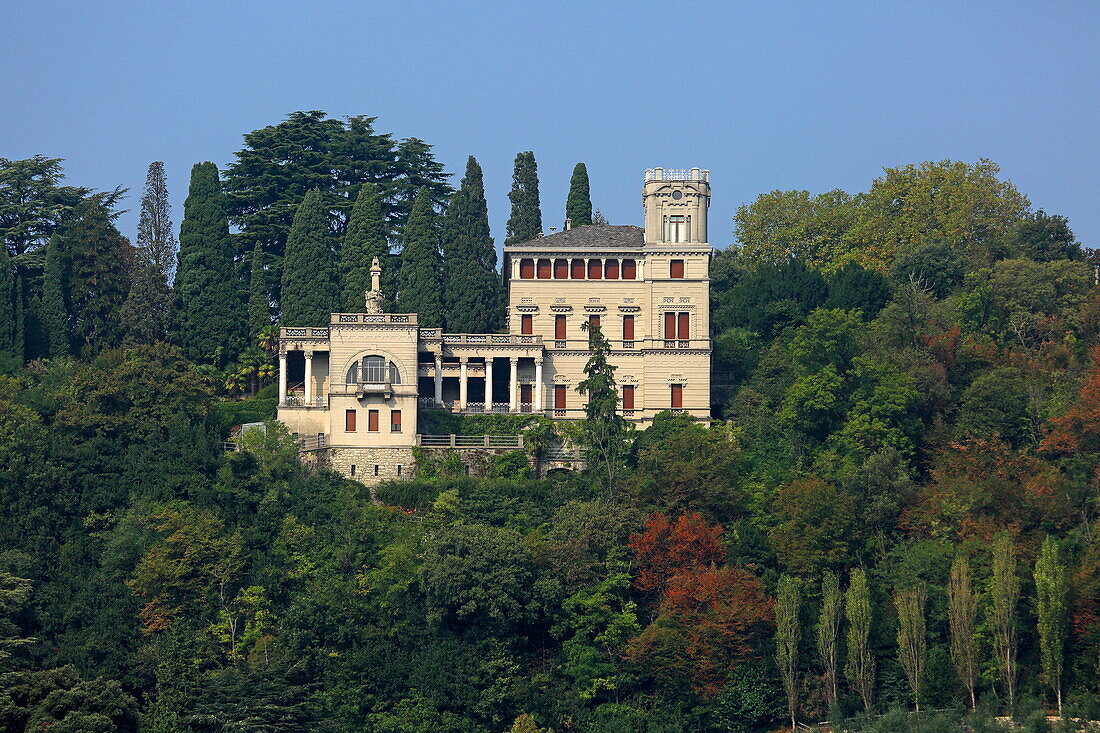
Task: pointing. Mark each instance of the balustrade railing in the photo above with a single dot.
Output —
(469, 441)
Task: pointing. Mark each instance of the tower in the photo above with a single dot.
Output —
(676, 202)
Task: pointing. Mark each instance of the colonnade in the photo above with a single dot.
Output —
(308, 396)
(513, 383)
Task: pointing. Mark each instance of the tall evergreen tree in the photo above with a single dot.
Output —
(525, 223)
(208, 297)
(310, 285)
(259, 302)
(605, 432)
(11, 315)
(54, 311)
(147, 314)
(365, 239)
(578, 206)
(98, 275)
(419, 288)
(472, 289)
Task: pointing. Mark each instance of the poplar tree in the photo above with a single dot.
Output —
(472, 288)
(860, 668)
(419, 285)
(259, 302)
(912, 637)
(525, 223)
(310, 285)
(208, 297)
(788, 633)
(98, 280)
(365, 239)
(54, 311)
(828, 633)
(962, 612)
(578, 206)
(11, 315)
(1005, 595)
(147, 313)
(1050, 608)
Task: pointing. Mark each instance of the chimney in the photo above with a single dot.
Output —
(553, 229)
(568, 223)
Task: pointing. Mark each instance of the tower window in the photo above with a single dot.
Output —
(676, 269)
(677, 228)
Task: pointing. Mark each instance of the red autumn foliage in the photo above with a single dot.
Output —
(710, 619)
(666, 547)
(980, 487)
(1078, 428)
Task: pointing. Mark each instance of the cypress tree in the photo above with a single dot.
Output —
(147, 313)
(259, 302)
(419, 288)
(11, 315)
(578, 206)
(208, 297)
(473, 292)
(98, 278)
(53, 314)
(525, 222)
(365, 239)
(310, 286)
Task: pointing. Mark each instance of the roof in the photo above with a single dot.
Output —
(591, 236)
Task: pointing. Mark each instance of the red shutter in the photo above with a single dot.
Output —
(349, 421)
(544, 270)
(559, 328)
(561, 269)
(683, 322)
(372, 421)
(395, 421)
(527, 269)
(611, 269)
(577, 270)
(677, 396)
(593, 322)
(595, 269)
(628, 397)
(676, 269)
(559, 396)
(526, 324)
(630, 270)
(670, 325)
(628, 328)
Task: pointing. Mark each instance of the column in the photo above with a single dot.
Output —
(513, 384)
(462, 382)
(439, 379)
(539, 389)
(282, 377)
(309, 377)
(488, 384)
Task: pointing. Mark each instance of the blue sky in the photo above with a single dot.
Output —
(766, 95)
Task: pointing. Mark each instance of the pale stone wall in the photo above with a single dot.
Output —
(390, 463)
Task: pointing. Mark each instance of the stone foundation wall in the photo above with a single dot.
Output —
(369, 466)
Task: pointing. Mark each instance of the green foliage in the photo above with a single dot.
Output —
(11, 311)
(605, 433)
(310, 284)
(578, 204)
(853, 288)
(419, 282)
(1050, 609)
(472, 288)
(525, 223)
(793, 225)
(259, 302)
(365, 239)
(208, 297)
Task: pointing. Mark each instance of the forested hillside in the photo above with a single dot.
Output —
(897, 508)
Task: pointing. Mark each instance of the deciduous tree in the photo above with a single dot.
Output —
(962, 614)
(666, 547)
(1050, 609)
(912, 637)
(860, 667)
(1004, 594)
(828, 633)
(788, 633)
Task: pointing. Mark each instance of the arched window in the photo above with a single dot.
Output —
(373, 370)
(543, 269)
(630, 270)
(561, 269)
(527, 269)
(576, 269)
(595, 269)
(611, 269)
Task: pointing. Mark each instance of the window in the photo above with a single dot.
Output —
(559, 328)
(670, 325)
(628, 328)
(677, 396)
(576, 270)
(526, 324)
(544, 270)
(628, 397)
(683, 321)
(593, 322)
(398, 469)
(561, 269)
(353, 469)
(676, 269)
(559, 396)
(527, 269)
(677, 228)
(595, 269)
(611, 269)
(630, 270)
(373, 370)
(395, 421)
(349, 421)
(376, 469)
(372, 421)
